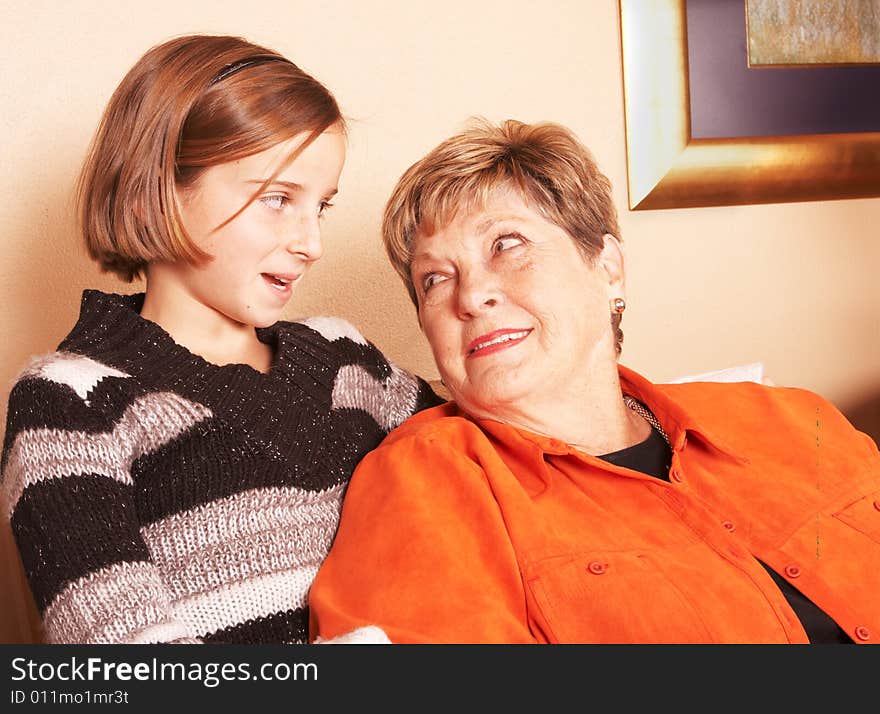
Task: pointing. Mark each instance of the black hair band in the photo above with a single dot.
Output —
(234, 67)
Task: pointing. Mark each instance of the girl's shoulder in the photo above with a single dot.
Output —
(64, 390)
(364, 377)
(68, 370)
(330, 327)
(333, 340)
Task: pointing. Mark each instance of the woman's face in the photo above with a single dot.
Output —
(260, 256)
(511, 308)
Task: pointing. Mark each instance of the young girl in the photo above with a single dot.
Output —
(174, 471)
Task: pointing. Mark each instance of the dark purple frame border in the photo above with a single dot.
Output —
(729, 99)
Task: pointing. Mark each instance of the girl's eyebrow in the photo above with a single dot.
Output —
(288, 184)
(293, 186)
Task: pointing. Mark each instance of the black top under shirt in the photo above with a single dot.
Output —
(654, 457)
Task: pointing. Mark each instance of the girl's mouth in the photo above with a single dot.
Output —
(282, 284)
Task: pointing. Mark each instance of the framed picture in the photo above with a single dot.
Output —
(705, 129)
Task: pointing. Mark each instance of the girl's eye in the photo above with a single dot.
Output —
(502, 243)
(323, 207)
(276, 201)
(430, 280)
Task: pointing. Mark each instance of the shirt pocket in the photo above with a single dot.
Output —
(863, 514)
(612, 597)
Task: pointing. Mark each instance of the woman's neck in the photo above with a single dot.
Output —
(593, 419)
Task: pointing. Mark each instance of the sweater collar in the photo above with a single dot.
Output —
(110, 329)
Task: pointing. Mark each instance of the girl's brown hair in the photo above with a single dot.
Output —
(188, 104)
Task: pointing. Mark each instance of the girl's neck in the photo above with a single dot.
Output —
(201, 329)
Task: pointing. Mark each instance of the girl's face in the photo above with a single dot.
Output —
(260, 256)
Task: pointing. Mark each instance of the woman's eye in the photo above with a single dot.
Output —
(502, 243)
(323, 207)
(431, 280)
(276, 201)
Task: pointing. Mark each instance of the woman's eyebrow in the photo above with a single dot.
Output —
(486, 224)
(419, 258)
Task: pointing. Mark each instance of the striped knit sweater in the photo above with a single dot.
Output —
(156, 497)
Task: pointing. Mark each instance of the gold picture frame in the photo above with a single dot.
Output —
(668, 168)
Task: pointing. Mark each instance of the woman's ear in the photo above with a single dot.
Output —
(611, 260)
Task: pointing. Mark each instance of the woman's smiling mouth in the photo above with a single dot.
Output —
(495, 341)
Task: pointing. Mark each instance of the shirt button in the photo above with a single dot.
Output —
(676, 476)
(597, 568)
(729, 525)
(863, 633)
(792, 571)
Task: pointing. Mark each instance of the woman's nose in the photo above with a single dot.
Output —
(478, 291)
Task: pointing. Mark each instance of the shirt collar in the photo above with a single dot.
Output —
(678, 422)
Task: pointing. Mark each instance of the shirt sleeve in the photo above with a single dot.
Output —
(422, 552)
(69, 498)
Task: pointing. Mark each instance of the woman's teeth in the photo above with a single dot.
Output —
(501, 338)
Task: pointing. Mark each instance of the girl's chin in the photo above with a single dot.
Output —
(266, 320)
(258, 319)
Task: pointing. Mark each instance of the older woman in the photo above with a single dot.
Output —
(562, 497)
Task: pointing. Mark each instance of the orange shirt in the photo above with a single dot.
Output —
(463, 530)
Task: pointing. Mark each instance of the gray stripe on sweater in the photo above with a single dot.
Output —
(248, 535)
(248, 600)
(112, 605)
(147, 424)
(389, 402)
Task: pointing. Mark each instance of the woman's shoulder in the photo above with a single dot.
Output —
(759, 411)
(444, 427)
(439, 447)
(747, 395)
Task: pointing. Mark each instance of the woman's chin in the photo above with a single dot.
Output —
(487, 399)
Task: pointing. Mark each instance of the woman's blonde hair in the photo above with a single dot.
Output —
(553, 170)
(188, 104)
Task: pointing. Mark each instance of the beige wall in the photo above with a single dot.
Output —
(792, 285)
